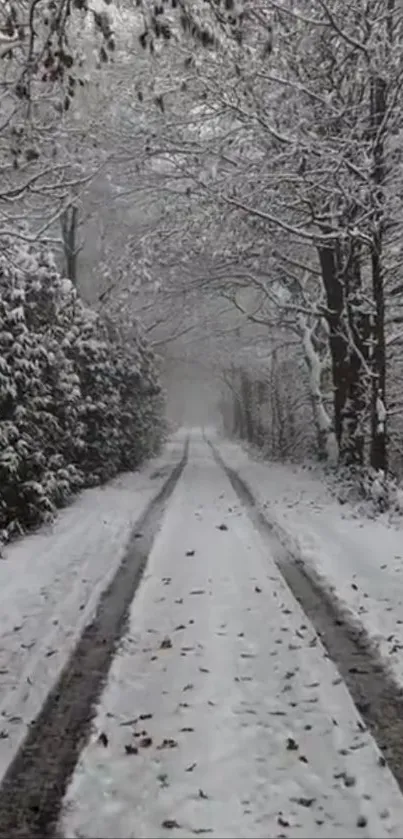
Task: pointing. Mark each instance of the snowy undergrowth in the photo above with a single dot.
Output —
(358, 560)
(364, 492)
(368, 491)
(51, 582)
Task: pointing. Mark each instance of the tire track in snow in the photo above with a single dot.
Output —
(377, 697)
(34, 785)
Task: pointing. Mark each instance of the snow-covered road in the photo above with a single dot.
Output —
(356, 559)
(222, 714)
(51, 582)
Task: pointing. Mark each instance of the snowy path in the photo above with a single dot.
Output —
(51, 582)
(356, 559)
(222, 714)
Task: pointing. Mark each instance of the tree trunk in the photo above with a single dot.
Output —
(378, 455)
(69, 225)
(273, 419)
(349, 324)
(260, 434)
(327, 443)
(239, 417)
(358, 327)
(329, 258)
(247, 407)
(234, 415)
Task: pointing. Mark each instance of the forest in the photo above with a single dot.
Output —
(209, 182)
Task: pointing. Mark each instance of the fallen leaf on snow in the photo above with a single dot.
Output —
(131, 750)
(191, 767)
(283, 822)
(168, 743)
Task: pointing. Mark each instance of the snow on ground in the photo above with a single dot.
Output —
(51, 582)
(359, 560)
(222, 714)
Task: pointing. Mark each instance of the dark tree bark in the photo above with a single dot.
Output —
(378, 454)
(238, 427)
(247, 406)
(69, 225)
(329, 258)
(358, 353)
(260, 431)
(349, 324)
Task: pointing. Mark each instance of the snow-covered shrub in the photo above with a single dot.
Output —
(90, 351)
(78, 402)
(370, 491)
(140, 395)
